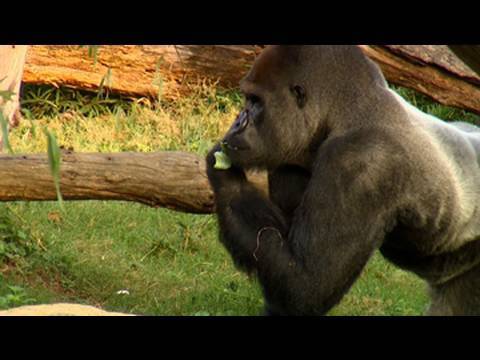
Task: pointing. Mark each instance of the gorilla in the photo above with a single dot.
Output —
(352, 168)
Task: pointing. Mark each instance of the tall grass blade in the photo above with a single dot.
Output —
(54, 159)
(4, 125)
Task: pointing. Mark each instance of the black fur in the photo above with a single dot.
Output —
(349, 172)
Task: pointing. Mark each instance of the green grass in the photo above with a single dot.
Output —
(170, 263)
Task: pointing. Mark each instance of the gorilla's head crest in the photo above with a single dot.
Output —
(289, 93)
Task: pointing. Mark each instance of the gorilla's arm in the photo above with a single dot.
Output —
(287, 185)
(308, 267)
(241, 209)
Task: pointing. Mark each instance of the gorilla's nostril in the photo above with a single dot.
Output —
(244, 122)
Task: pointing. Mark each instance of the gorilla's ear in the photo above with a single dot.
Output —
(300, 95)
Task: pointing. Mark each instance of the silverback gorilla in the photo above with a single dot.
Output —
(352, 168)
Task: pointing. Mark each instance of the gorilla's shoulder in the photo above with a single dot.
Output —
(368, 141)
(373, 149)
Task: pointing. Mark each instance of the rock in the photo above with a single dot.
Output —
(59, 310)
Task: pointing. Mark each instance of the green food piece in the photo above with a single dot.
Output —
(222, 161)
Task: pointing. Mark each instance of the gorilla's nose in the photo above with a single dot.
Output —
(241, 122)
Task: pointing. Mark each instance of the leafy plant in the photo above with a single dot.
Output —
(105, 82)
(45, 101)
(54, 159)
(15, 242)
(92, 52)
(4, 125)
(5, 95)
(158, 79)
(15, 297)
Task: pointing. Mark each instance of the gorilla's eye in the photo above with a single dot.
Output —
(300, 95)
(253, 99)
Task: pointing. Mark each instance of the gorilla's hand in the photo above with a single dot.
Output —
(231, 179)
(239, 206)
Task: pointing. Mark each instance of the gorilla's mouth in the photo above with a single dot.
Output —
(228, 146)
(238, 154)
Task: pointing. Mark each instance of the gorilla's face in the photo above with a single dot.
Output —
(273, 127)
(246, 142)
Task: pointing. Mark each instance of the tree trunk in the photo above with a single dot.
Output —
(470, 54)
(170, 179)
(153, 71)
(12, 61)
(174, 180)
(432, 70)
(165, 70)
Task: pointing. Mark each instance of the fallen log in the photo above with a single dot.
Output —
(171, 179)
(174, 180)
(470, 54)
(167, 70)
(144, 70)
(431, 70)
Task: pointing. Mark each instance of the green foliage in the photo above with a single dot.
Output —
(5, 95)
(54, 160)
(44, 101)
(13, 297)
(5, 138)
(92, 52)
(442, 112)
(158, 79)
(15, 241)
(105, 83)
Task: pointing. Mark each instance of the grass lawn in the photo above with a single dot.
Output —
(166, 262)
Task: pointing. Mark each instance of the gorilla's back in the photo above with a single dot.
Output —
(459, 141)
(459, 145)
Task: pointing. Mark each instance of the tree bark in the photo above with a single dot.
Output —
(470, 54)
(432, 70)
(143, 70)
(173, 180)
(166, 70)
